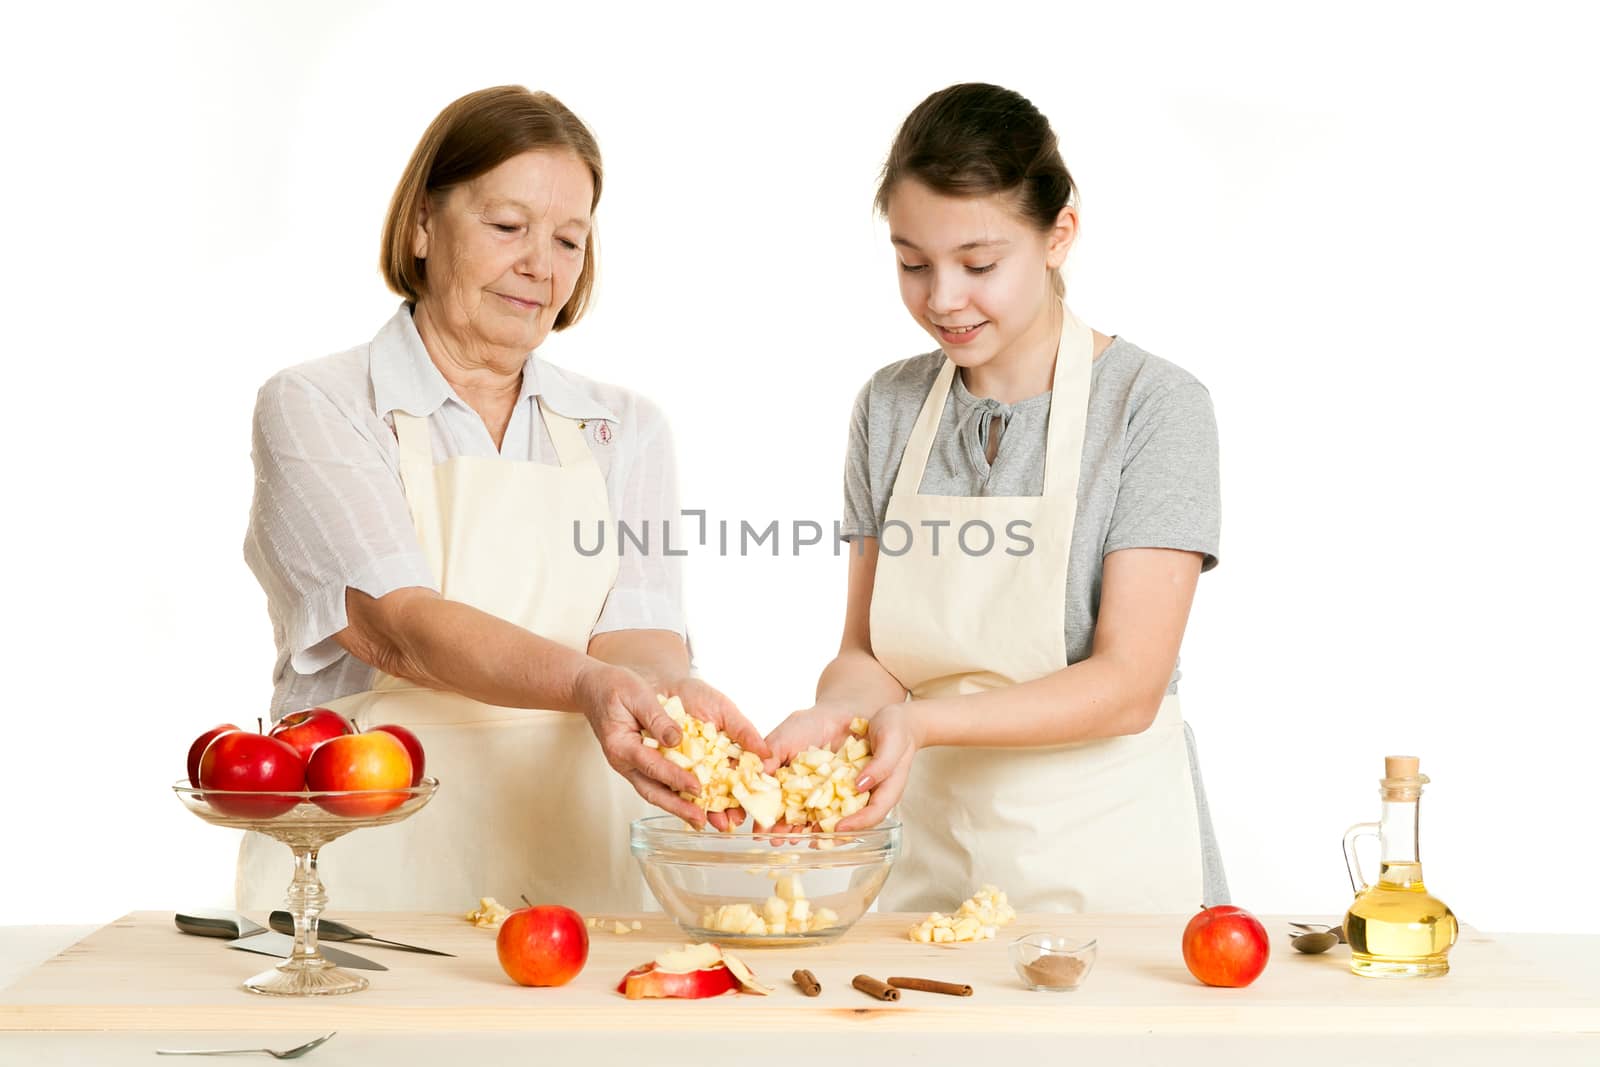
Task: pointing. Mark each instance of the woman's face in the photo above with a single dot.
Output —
(504, 250)
(973, 272)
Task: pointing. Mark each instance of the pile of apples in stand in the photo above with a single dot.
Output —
(316, 750)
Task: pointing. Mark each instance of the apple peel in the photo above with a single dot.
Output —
(693, 972)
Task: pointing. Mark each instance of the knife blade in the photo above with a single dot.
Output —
(332, 930)
(270, 943)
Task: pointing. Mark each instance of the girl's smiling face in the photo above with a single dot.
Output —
(973, 272)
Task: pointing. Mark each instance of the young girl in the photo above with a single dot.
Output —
(1036, 502)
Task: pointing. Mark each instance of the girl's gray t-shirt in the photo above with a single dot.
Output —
(1148, 478)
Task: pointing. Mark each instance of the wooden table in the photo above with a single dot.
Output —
(138, 984)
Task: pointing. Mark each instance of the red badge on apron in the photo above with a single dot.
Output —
(602, 431)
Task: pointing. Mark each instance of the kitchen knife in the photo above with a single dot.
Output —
(271, 943)
(330, 930)
(211, 922)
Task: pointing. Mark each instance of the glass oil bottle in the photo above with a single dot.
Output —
(1396, 928)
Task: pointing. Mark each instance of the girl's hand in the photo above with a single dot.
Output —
(819, 726)
(895, 739)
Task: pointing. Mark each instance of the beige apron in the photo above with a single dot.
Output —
(527, 803)
(1102, 826)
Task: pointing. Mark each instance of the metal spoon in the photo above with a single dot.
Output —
(1314, 941)
(1335, 928)
(288, 1054)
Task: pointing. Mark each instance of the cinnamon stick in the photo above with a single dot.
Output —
(808, 983)
(929, 985)
(874, 988)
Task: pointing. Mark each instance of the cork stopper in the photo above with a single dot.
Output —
(1400, 766)
(1402, 780)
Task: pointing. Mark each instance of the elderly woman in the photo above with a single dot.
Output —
(414, 530)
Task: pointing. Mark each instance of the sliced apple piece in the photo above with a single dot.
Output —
(689, 958)
(746, 977)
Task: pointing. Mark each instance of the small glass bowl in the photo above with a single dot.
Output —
(1052, 963)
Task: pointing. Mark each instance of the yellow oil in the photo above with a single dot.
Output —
(1396, 929)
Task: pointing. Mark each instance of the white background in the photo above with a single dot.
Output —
(1371, 231)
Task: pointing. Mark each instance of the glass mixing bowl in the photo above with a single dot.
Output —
(756, 889)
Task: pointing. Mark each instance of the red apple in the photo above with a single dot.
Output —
(413, 748)
(305, 730)
(545, 945)
(244, 762)
(198, 749)
(369, 761)
(1225, 946)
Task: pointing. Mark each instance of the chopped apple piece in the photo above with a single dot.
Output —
(695, 957)
(489, 912)
(978, 919)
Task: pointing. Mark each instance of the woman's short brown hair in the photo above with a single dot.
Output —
(975, 139)
(472, 136)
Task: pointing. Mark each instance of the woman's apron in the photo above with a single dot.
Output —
(526, 803)
(1099, 826)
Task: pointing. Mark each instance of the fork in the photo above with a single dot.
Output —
(287, 1054)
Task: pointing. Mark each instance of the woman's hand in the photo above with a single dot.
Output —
(618, 704)
(707, 704)
(895, 738)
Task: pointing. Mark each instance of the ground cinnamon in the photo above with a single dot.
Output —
(929, 985)
(874, 988)
(808, 983)
(1055, 972)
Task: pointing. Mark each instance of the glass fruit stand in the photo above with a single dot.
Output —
(306, 822)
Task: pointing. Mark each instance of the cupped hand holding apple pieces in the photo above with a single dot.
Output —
(314, 751)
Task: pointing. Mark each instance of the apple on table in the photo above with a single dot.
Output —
(1225, 946)
(543, 945)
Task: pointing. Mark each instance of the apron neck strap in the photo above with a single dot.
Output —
(416, 443)
(566, 437)
(1069, 406)
(920, 444)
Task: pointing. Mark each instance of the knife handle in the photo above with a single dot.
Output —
(205, 926)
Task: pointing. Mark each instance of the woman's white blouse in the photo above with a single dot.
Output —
(330, 511)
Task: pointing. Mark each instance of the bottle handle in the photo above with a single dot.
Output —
(1352, 864)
